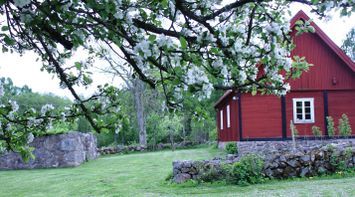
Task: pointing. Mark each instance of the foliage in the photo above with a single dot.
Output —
(25, 115)
(83, 125)
(339, 162)
(104, 138)
(344, 126)
(208, 46)
(231, 148)
(247, 171)
(330, 126)
(212, 173)
(316, 131)
(348, 45)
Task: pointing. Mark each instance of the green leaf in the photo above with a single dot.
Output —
(253, 91)
(78, 65)
(164, 3)
(214, 50)
(2, 2)
(9, 41)
(299, 22)
(4, 28)
(183, 42)
(152, 38)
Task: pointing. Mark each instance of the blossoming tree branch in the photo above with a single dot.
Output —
(175, 45)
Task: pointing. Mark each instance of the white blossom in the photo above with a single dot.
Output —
(217, 63)
(45, 108)
(14, 105)
(34, 122)
(144, 48)
(274, 28)
(242, 76)
(196, 76)
(30, 138)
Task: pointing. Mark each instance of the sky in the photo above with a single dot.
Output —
(24, 70)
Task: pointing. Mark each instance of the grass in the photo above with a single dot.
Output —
(143, 175)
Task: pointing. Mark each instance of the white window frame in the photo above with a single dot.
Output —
(221, 119)
(303, 120)
(228, 116)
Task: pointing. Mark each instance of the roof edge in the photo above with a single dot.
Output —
(225, 95)
(334, 47)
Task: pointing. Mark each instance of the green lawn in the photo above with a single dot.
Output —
(143, 175)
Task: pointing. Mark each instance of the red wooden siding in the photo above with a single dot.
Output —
(261, 116)
(342, 102)
(327, 66)
(306, 129)
(228, 134)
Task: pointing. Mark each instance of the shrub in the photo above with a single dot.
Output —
(247, 171)
(231, 148)
(344, 126)
(316, 131)
(330, 126)
(212, 173)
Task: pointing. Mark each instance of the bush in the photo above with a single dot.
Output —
(231, 148)
(344, 126)
(330, 126)
(212, 173)
(316, 131)
(247, 171)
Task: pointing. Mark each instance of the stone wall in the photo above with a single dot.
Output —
(64, 150)
(281, 160)
(139, 148)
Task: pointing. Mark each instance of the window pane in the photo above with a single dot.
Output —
(308, 116)
(307, 104)
(299, 110)
(299, 104)
(299, 116)
(308, 110)
(228, 117)
(221, 119)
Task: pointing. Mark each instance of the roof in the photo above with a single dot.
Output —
(341, 54)
(225, 95)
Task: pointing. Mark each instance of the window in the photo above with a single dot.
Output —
(221, 119)
(303, 110)
(228, 117)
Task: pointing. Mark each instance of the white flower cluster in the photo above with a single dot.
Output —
(196, 76)
(46, 108)
(14, 106)
(34, 121)
(274, 28)
(30, 138)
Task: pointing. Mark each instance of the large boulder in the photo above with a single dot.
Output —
(64, 150)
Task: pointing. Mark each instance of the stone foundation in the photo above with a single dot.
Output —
(64, 150)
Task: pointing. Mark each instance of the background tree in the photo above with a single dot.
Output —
(174, 45)
(348, 45)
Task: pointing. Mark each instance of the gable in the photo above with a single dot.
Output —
(329, 71)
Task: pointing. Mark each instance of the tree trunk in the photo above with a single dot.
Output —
(138, 89)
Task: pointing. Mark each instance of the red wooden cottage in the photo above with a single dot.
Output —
(327, 89)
